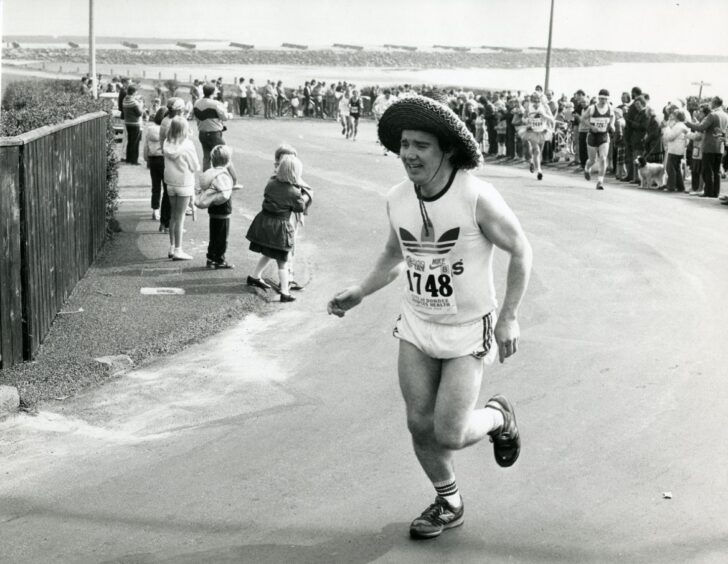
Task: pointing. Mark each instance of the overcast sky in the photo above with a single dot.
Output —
(686, 26)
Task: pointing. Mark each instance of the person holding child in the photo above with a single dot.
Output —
(272, 233)
(180, 166)
(216, 186)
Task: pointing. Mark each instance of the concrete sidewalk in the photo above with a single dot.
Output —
(108, 314)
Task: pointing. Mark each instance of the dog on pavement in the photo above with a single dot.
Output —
(650, 173)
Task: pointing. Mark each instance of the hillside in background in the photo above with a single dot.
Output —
(115, 50)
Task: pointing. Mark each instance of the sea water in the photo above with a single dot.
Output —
(663, 81)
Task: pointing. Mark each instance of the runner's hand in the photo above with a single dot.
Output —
(507, 333)
(345, 300)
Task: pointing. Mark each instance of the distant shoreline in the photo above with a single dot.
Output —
(351, 58)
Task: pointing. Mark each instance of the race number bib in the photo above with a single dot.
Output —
(599, 123)
(430, 285)
(536, 124)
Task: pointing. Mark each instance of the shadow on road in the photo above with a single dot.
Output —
(358, 548)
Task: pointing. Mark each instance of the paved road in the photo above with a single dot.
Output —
(283, 440)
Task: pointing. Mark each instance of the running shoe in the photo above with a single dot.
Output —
(531, 168)
(587, 174)
(210, 263)
(600, 186)
(540, 175)
(295, 286)
(506, 438)
(287, 298)
(437, 518)
(224, 265)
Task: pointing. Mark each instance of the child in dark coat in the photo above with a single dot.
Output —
(272, 232)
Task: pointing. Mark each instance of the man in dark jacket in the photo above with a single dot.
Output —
(132, 110)
(630, 113)
(636, 121)
(714, 128)
(490, 123)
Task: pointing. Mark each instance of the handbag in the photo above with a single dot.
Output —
(211, 197)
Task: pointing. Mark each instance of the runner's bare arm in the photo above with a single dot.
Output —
(385, 271)
(501, 226)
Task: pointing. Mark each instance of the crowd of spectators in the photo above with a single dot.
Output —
(686, 136)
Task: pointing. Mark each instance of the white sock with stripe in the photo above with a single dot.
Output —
(448, 490)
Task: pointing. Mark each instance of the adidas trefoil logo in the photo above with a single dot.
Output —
(441, 246)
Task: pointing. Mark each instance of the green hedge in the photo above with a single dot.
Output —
(28, 105)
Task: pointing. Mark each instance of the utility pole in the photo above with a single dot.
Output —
(548, 48)
(92, 50)
(700, 91)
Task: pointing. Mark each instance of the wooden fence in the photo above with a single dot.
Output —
(52, 225)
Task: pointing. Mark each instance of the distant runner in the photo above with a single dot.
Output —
(445, 223)
(601, 124)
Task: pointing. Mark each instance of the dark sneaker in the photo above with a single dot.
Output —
(600, 186)
(223, 265)
(437, 518)
(209, 263)
(287, 298)
(506, 439)
(531, 168)
(295, 286)
(587, 174)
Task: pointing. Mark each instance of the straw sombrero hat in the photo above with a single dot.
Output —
(425, 114)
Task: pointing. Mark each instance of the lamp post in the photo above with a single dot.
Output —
(92, 50)
(548, 48)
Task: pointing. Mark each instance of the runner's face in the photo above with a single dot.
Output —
(421, 155)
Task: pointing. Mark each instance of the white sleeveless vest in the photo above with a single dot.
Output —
(449, 267)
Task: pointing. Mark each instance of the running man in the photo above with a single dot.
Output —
(601, 124)
(445, 223)
(355, 107)
(538, 125)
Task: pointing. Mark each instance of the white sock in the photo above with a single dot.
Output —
(448, 490)
(497, 418)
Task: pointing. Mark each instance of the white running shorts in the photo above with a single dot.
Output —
(449, 341)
